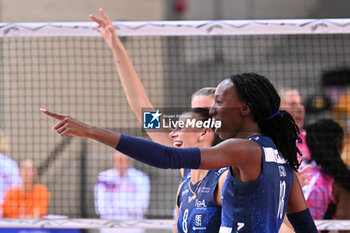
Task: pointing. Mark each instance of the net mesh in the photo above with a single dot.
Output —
(69, 69)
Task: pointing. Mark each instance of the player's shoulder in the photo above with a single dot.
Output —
(264, 141)
(243, 143)
(221, 171)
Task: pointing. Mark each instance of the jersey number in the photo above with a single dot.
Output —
(184, 221)
(240, 225)
(281, 199)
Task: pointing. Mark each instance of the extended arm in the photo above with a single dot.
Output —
(232, 152)
(133, 88)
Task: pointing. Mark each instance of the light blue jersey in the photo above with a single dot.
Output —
(258, 206)
(200, 214)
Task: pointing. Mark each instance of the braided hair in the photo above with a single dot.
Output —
(264, 102)
(323, 139)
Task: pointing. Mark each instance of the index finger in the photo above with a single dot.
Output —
(53, 115)
(98, 20)
(108, 21)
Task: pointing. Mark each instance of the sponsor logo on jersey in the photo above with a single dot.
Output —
(200, 204)
(198, 220)
(204, 190)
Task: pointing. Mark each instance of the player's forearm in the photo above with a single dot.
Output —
(157, 155)
(302, 222)
(133, 88)
(104, 136)
(286, 227)
(135, 92)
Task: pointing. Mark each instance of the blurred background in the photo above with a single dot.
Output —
(131, 10)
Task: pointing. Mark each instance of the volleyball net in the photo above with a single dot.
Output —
(68, 68)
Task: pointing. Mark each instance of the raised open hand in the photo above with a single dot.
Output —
(107, 30)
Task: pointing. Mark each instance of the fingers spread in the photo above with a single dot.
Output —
(106, 18)
(98, 30)
(98, 20)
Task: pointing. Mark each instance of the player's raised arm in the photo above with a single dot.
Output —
(133, 88)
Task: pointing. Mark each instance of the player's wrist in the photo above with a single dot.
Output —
(117, 48)
(90, 132)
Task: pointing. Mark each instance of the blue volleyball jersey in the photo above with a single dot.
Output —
(258, 206)
(201, 214)
(187, 172)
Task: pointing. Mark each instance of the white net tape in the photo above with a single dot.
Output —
(182, 28)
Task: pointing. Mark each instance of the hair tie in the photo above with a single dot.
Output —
(277, 113)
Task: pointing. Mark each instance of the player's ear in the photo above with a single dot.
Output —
(205, 134)
(245, 110)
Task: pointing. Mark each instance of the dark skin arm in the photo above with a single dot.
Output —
(246, 162)
(296, 202)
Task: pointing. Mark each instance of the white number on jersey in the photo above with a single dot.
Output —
(240, 225)
(184, 221)
(281, 199)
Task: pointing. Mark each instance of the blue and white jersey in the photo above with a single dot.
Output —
(187, 173)
(258, 206)
(200, 214)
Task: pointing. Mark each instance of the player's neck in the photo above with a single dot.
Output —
(248, 130)
(198, 175)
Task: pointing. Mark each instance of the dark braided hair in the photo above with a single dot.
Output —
(204, 115)
(263, 100)
(323, 139)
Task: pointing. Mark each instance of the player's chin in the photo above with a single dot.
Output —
(220, 133)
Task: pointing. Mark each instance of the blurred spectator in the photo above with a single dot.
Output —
(335, 83)
(9, 173)
(122, 192)
(28, 200)
(336, 87)
(292, 102)
(325, 139)
(341, 113)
